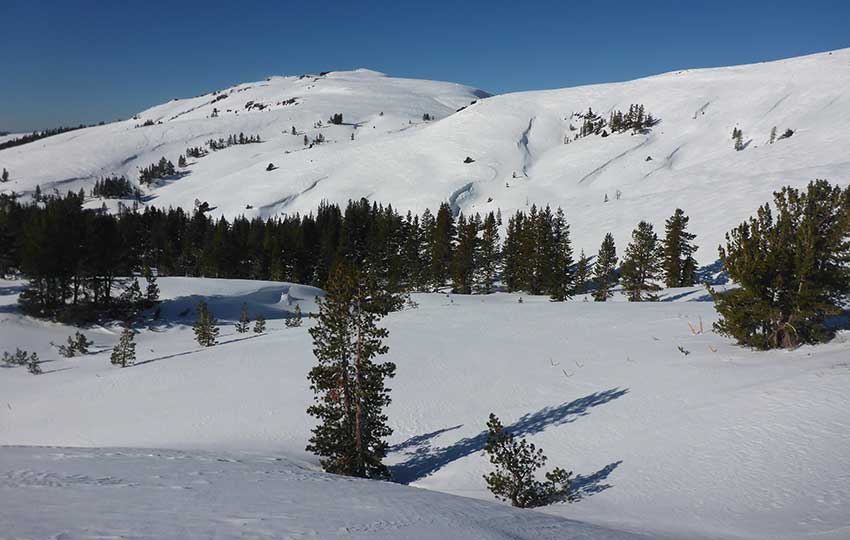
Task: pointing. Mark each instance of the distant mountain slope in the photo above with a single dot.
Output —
(516, 141)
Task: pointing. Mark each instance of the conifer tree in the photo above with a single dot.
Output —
(463, 258)
(350, 387)
(582, 274)
(603, 270)
(206, 331)
(561, 259)
(489, 256)
(4, 177)
(152, 289)
(296, 319)
(678, 263)
(34, 364)
(772, 138)
(244, 323)
(81, 344)
(793, 269)
(442, 246)
(124, 353)
(516, 462)
(640, 266)
(260, 324)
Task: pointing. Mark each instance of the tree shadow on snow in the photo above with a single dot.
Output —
(584, 486)
(426, 460)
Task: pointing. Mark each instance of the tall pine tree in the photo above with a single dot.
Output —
(350, 386)
(678, 262)
(604, 269)
(640, 266)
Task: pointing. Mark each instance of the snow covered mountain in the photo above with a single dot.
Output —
(385, 151)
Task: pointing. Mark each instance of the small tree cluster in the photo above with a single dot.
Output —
(155, 171)
(77, 345)
(516, 463)
(232, 140)
(335, 118)
(23, 358)
(296, 319)
(538, 255)
(196, 152)
(793, 268)
(637, 119)
(115, 187)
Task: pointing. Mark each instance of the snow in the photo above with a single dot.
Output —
(399, 159)
(721, 443)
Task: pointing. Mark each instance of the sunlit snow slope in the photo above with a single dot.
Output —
(516, 140)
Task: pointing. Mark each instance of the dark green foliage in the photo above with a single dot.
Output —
(581, 277)
(538, 253)
(349, 385)
(206, 331)
(335, 118)
(152, 289)
(441, 242)
(604, 270)
(516, 464)
(641, 268)
(161, 169)
(793, 269)
(296, 319)
(115, 187)
(678, 263)
(78, 344)
(463, 258)
(34, 364)
(124, 352)
(488, 257)
(4, 177)
(260, 324)
(244, 323)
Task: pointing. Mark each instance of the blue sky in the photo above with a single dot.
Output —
(69, 62)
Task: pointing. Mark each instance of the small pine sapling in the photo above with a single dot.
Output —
(260, 324)
(244, 322)
(296, 319)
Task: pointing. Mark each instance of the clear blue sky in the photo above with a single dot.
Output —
(67, 62)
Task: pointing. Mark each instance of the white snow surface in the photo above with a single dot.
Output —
(720, 443)
(516, 141)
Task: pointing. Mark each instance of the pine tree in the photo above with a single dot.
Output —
(124, 353)
(244, 323)
(516, 462)
(678, 263)
(793, 269)
(81, 343)
(463, 258)
(603, 270)
(772, 135)
(260, 324)
(442, 245)
(206, 331)
(34, 364)
(561, 260)
(739, 140)
(640, 266)
(582, 274)
(296, 319)
(4, 177)
(349, 386)
(489, 256)
(152, 289)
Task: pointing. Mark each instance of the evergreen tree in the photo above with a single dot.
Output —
(488, 256)
(603, 270)
(34, 365)
(206, 331)
(152, 289)
(582, 274)
(81, 343)
(463, 258)
(738, 136)
(260, 324)
(4, 177)
(442, 246)
(516, 463)
(296, 319)
(124, 353)
(350, 387)
(678, 263)
(244, 323)
(640, 266)
(793, 269)
(772, 138)
(562, 259)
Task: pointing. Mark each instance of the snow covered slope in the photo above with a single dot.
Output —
(400, 159)
(720, 443)
(126, 493)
